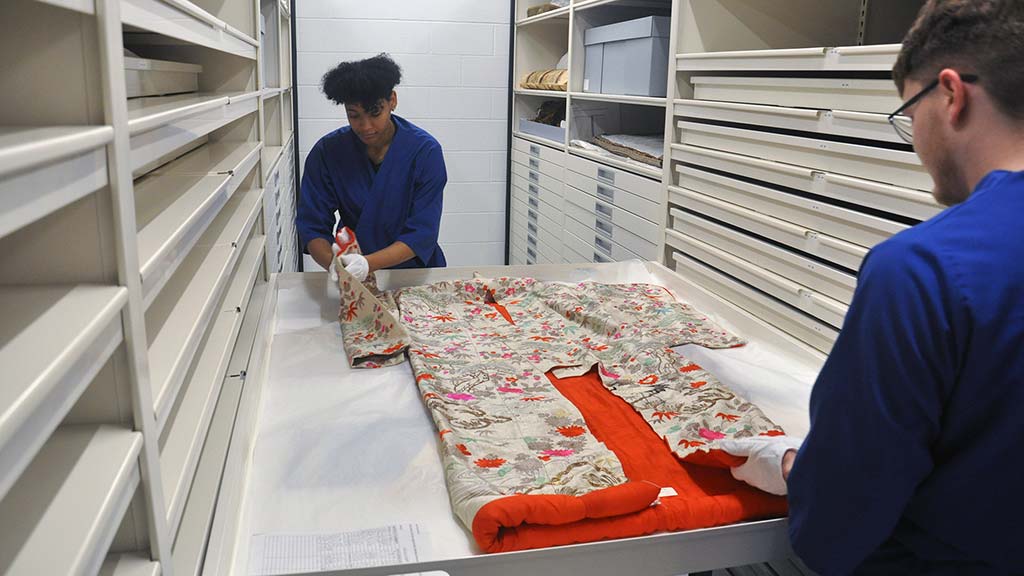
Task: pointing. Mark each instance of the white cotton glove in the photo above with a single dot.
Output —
(356, 265)
(763, 469)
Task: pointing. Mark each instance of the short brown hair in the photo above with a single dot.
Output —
(983, 37)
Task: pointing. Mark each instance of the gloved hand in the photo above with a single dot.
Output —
(763, 468)
(356, 265)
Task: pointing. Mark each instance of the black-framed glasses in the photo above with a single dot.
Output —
(903, 124)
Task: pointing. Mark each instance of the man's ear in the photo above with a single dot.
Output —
(955, 96)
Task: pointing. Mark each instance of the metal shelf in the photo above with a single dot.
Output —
(44, 169)
(129, 565)
(269, 158)
(161, 126)
(53, 341)
(184, 21)
(61, 515)
(187, 427)
(543, 93)
(175, 203)
(879, 57)
(539, 140)
(558, 14)
(619, 98)
(179, 316)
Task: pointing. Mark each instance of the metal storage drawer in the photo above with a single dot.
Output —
(609, 240)
(845, 224)
(893, 199)
(543, 201)
(643, 229)
(148, 77)
(621, 179)
(586, 251)
(814, 332)
(811, 273)
(879, 164)
(857, 95)
(622, 198)
(838, 122)
(550, 168)
(810, 241)
(539, 226)
(536, 177)
(792, 293)
(534, 150)
(880, 57)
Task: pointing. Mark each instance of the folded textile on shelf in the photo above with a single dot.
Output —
(546, 7)
(648, 149)
(550, 79)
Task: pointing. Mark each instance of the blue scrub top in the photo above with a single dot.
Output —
(400, 201)
(914, 463)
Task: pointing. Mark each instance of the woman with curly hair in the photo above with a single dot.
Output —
(382, 174)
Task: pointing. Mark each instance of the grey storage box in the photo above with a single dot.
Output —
(553, 133)
(146, 77)
(628, 58)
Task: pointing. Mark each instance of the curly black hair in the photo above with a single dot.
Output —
(363, 82)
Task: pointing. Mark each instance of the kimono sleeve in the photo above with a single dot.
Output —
(317, 201)
(421, 227)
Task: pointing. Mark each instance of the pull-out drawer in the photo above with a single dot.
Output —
(539, 226)
(618, 245)
(535, 150)
(792, 293)
(893, 199)
(643, 229)
(880, 57)
(523, 176)
(621, 179)
(799, 325)
(541, 200)
(810, 241)
(535, 251)
(550, 168)
(601, 226)
(517, 255)
(829, 281)
(587, 251)
(849, 225)
(642, 207)
(879, 164)
(854, 94)
(837, 123)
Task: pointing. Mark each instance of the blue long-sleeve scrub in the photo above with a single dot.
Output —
(399, 201)
(913, 463)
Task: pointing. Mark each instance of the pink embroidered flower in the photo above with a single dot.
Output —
(608, 373)
(470, 288)
(461, 396)
(565, 452)
(507, 355)
(711, 434)
(510, 291)
(533, 358)
(508, 390)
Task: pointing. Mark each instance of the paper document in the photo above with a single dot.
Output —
(271, 554)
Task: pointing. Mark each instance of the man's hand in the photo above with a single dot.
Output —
(769, 460)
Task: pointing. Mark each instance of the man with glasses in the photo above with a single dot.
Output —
(912, 464)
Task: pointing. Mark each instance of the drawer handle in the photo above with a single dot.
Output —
(604, 227)
(599, 258)
(606, 175)
(605, 192)
(535, 164)
(534, 176)
(603, 245)
(531, 215)
(532, 189)
(531, 227)
(603, 209)
(534, 150)
(533, 202)
(531, 241)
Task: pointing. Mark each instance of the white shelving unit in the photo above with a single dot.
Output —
(133, 248)
(779, 169)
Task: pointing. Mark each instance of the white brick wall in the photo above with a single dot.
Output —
(454, 58)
